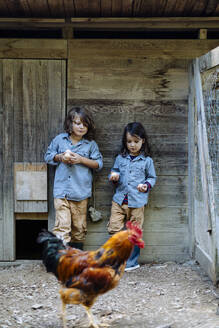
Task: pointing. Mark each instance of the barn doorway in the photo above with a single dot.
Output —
(26, 235)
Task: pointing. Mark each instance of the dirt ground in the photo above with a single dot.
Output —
(167, 295)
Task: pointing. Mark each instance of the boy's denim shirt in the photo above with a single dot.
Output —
(73, 181)
(132, 173)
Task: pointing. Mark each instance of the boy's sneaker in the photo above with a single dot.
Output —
(134, 267)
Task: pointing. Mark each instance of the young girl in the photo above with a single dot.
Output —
(134, 175)
(75, 156)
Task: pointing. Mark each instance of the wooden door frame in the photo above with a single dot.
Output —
(197, 134)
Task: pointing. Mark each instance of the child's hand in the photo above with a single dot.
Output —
(66, 157)
(71, 158)
(114, 176)
(142, 187)
(75, 158)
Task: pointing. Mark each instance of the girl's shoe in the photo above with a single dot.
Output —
(134, 267)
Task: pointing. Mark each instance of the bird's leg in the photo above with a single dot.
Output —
(64, 314)
(91, 318)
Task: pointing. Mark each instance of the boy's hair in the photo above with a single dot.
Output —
(135, 129)
(85, 117)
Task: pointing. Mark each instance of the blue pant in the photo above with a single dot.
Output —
(133, 258)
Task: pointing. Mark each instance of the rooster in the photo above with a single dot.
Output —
(84, 275)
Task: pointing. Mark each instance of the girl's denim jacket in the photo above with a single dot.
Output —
(132, 173)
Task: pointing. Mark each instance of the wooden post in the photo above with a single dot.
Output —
(191, 161)
(205, 163)
(67, 32)
(203, 34)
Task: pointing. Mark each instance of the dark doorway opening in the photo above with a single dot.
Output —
(26, 235)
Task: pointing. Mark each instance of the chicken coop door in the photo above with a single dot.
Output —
(204, 162)
(32, 101)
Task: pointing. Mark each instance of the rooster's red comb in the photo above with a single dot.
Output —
(134, 227)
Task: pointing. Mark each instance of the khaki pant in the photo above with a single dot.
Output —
(119, 213)
(71, 219)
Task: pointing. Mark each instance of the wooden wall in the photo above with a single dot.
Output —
(119, 81)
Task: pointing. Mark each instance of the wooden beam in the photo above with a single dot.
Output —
(130, 48)
(21, 23)
(185, 23)
(149, 23)
(33, 48)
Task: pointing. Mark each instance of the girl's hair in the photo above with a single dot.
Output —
(85, 117)
(135, 129)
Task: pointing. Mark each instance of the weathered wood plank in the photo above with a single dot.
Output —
(120, 85)
(42, 101)
(160, 219)
(180, 255)
(56, 8)
(56, 114)
(33, 48)
(161, 198)
(69, 8)
(18, 109)
(15, 8)
(167, 181)
(40, 21)
(41, 16)
(157, 110)
(24, 4)
(4, 8)
(1, 240)
(205, 163)
(209, 60)
(81, 8)
(151, 238)
(144, 65)
(166, 49)
(31, 216)
(34, 207)
(199, 7)
(203, 198)
(39, 8)
(164, 127)
(126, 8)
(106, 8)
(94, 7)
(134, 79)
(144, 8)
(29, 111)
(171, 165)
(1, 148)
(8, 233)
(152, 23)
(30, 185)
(191, 161)
(116, 7)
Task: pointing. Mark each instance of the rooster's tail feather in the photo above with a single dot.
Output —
(51, 250)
